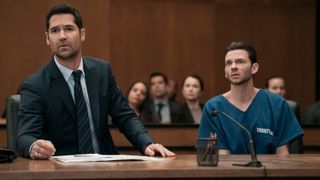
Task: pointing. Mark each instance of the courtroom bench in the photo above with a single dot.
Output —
(181, 137)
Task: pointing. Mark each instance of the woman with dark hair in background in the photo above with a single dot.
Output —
(192, 89)
(136, 96)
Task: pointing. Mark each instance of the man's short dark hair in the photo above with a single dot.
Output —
(154, 74)
(244, 46)
(64, 9)
(267, 83)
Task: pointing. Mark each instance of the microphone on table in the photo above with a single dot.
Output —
(254, 162)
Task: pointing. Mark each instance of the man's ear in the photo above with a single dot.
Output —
(47, 38)
(83, 34)
(254, 68)
(225, 74)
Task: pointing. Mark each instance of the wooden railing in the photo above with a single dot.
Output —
(179, 136)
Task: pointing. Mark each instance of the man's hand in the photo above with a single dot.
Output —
(157, 149)
(224, 152)
(283, 150)
(42, 149)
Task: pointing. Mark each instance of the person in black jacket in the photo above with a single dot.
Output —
(159, 109)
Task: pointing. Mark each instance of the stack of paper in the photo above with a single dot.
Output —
(101, 158)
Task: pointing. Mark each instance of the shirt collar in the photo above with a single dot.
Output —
(66, 72)
(164, 102)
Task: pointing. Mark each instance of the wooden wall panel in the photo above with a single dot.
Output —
(23, 47)
(174, 37)
(283, 33)
(177, 37)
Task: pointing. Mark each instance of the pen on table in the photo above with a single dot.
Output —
(209, 149)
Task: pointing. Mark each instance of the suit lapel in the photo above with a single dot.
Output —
(60, 86)
(92, 81)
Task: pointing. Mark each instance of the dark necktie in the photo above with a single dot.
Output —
(84, 132)
(160, 106)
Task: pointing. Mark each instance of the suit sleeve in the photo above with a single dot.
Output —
(31, 119)
(124, 117)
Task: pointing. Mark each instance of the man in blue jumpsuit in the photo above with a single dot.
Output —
(267, 116)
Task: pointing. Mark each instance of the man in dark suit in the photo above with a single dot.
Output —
(159, 109)
(65, 104)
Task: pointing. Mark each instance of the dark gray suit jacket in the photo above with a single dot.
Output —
(178, 112)
(312, 114)
(47, 110)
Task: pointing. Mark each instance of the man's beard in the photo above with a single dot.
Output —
(242, 81)
(67, 55)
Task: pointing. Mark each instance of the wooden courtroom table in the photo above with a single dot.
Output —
(294, 165)
(179, 167)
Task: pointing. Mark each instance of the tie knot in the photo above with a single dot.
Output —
(160, 105)
(76, 75)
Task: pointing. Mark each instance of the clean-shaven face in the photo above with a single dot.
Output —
(191, 89)
(137, 94)
(276, 85)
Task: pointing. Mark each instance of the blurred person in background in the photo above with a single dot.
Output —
(172, 89)
(159, 109)
(192, 90)
(137, 95)
(312, 114)
(276, 84)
